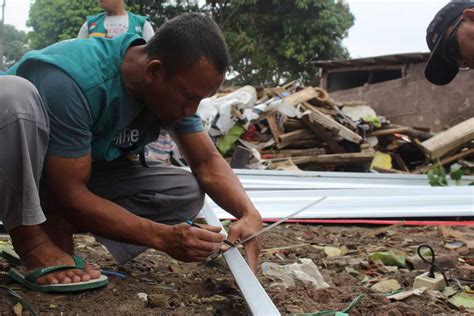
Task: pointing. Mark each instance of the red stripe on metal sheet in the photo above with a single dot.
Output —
(375, 222)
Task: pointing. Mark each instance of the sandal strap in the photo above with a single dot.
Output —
(37, 273)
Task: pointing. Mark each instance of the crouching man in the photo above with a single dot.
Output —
(72, 116)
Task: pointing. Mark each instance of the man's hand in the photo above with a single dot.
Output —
(243, 228)
(187, 243)
(221, 184)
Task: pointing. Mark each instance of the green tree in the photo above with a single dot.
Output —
(278, 40)
(16, 44)
(159, 11)
(57, 20)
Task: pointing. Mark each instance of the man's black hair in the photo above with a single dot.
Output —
(185, 39)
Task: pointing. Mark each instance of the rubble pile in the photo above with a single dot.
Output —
(296, 128)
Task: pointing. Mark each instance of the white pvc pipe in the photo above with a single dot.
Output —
(257, 299)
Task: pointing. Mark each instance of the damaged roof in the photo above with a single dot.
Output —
(395, 59)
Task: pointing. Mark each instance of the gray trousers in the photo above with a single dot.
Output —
(24, 131)
(164, 194)
(161, 193)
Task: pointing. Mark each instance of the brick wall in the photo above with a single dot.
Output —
(413, 101)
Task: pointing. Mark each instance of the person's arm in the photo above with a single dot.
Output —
(147, 31)
(84, 31)
(219, 181)
(66, 178)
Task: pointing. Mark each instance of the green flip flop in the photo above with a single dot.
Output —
(29, 279)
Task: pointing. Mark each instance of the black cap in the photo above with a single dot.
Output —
(438, 70)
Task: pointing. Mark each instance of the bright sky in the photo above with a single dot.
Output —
(382, 27)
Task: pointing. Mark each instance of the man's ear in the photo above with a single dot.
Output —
(469, 14)
(154, 69)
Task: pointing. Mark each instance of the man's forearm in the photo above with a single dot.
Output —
(102, 217)
(222, 185)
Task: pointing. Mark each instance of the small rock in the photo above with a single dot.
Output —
(143, 296)
(157, 300)
(386, 286)
(175, 268)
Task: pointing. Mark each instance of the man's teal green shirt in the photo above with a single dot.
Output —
(94, 65)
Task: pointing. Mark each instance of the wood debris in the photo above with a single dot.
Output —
(326, 135)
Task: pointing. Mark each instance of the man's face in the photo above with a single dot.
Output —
(465, 39)
(174, 98)
(110, 4)
(459, 41)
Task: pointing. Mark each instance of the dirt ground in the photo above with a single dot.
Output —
(209, 289)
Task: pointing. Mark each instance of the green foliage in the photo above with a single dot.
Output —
(57, 20)
(159, 11)
(437, 176)
(389, 258)
(16, 44)
(275, 41)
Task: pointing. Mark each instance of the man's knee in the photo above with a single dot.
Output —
(20, 98)
(195, 193)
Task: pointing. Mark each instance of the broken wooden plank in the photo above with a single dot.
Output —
(301, 96)
(271, 154)
(285, 139)
(325, 135)
(450, 139)
(292, 124)
(447, 161)
(402, 130)
(335, 159)
(275, 128)
(302, 143)
(320, 108)
(315, 116)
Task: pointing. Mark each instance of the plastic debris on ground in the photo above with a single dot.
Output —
(306, 271)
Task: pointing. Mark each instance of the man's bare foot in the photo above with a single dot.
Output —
(46, 255)
(36, 250)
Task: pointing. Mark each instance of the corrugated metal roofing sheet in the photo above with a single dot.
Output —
(283, 180)
(396, 202)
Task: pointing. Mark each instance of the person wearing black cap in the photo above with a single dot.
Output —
(450, 37)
